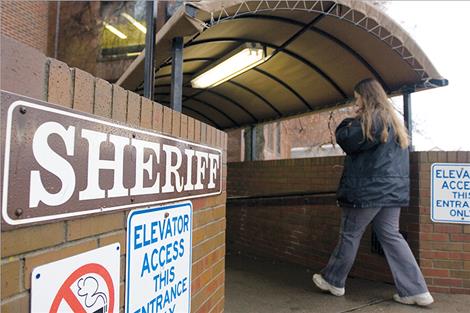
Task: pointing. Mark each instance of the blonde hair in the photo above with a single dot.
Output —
(377, 107)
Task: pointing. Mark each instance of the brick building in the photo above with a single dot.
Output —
(281, 209)
(27, 22)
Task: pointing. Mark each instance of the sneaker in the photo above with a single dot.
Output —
(324, 285)
(422, 299)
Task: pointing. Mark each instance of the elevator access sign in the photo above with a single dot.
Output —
(450, 193)
(158, 269)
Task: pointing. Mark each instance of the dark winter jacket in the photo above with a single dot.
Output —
(375, 174)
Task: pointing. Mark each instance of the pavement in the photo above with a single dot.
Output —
(263, 286)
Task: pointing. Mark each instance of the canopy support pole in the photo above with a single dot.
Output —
(149, 62)
(408, 116)
(177, 74)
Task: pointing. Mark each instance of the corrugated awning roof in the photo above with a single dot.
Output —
(321, 49)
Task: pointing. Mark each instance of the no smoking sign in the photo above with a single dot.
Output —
(85, 283)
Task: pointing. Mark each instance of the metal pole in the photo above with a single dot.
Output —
(177, 75)
(57, 28)
(149, 62)
(407, 116)
(253, 143)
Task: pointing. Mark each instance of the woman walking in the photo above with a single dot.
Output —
(373, 188)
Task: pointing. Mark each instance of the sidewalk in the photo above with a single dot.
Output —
(259, 286)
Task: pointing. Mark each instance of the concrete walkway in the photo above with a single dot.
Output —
(260, 286)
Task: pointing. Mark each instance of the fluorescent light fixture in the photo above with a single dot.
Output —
(132, 54)
(114, 30)
(237, 62)
(139, 26)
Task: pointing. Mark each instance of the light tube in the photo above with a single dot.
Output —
(139, 26)
(114, 30)
(235, 65)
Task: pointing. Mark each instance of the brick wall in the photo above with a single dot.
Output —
(444, 249)
(301, 228)
(304, 228)
(24, 248)
(26, 21)
(284, 176)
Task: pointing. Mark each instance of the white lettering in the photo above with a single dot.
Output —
(213, 165)
(141, 167)
(189, 168)
(54, 163)
(93, 190)
(200, 168)
(172, 169)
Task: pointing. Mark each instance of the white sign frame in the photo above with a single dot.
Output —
(132, 264)
(52, 283)
(106, 122)
(438, 194)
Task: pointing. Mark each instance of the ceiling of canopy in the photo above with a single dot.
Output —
(319, 51)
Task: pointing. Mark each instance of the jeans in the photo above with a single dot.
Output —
(406, 273)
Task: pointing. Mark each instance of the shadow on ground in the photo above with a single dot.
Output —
(261, 286)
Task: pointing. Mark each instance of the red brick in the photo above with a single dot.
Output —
(176, 124)
(462, 156)
(119, 104)
(433, 289)
(147, 113)
(207, 261)
(463, 291)
(434, 237)
(459, 255)
(208, 246)
(133, 108)
(197, 131)
(157, 117)
(447, 282)
(167, 119)
(203, 133)
(212, 301)
(460, 274)
(103, 98)
(89, 226)
(27, 239)
(11, 278)
(191, 122)
(184, 126)
(111, 238)
(198, 299)
(435, 272)
(448, 264)
(460, 237)
(49, 256)
(84, 91)
(442, 228)
(26, 22)
(219, 306)
(209, 135)
(208, 231)
(449, 246)
(60, 88)
(16, 304)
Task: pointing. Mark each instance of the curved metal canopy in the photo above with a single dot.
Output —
(320, 50)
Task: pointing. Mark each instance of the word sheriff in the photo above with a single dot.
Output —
(158, 165)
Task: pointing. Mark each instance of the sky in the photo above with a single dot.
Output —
(442, 30)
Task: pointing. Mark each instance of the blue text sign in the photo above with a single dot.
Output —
(450, 192)
(158, 271)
